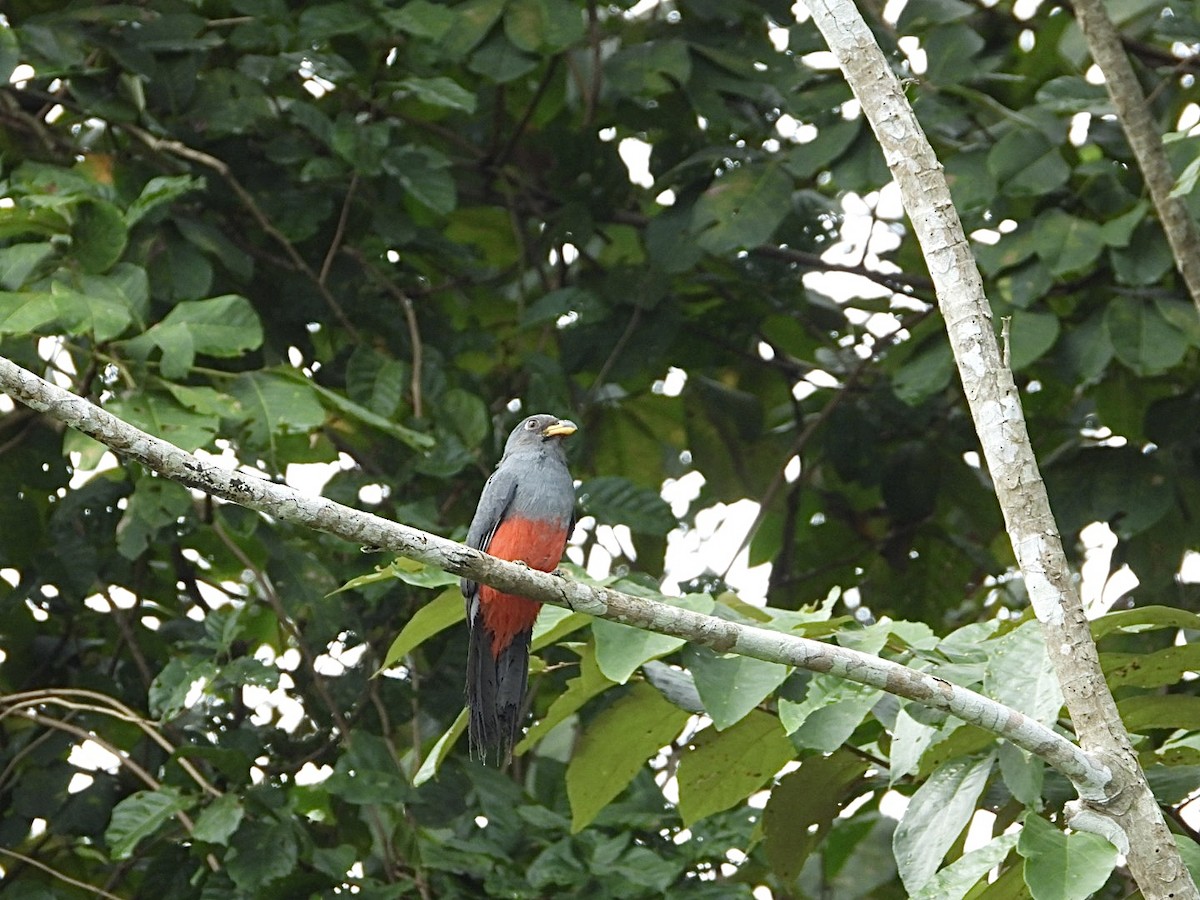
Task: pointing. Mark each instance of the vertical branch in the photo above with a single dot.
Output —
(1130, 815)
(339, 232)
(1133, 112)
(410, 319)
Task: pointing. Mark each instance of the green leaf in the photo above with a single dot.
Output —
(414, 439)
(421, 18)
(1143, 713)
(926, 373)
(104, 313)
(160, 190)
(440, 750)
(276, 405)
(1027, 165)
(804, 806)
(742, 208)
(1070, 94)
(162, 417)
(472, 21)
(1066, 243)
(140, 815)
(731, 686)
(500, 60)
(1062, 866)
(1118, 231)
(158, 503)
(1031, 335)
(419, 574)
(614, 748)
(367, 773)
(10, 54)
(615, 500)
(1020, 676)
(938, 812)
(19, 261)
(832, 141)
(24, 313)
(261, 852)
(1023, 774)
(620, 649)
(553, 624)
(440, 91)
(224, 326)
(832, 709)
(98, 236)
(1190, 851)
(585, 306)
(1144, 618)
(422, 172)
(956, 880)
(1086, 350)
(435, 616)
(219, 820)
(552, 25)
(1146, 259)
(466, 415)
(1163, 667)
(589, 683)
(723, 768)
(648, 69)
(1141, 338)
(173, 683)
(910, 739)
(204, 400)
(1181, 315)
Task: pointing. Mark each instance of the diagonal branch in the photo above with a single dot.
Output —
(1090, 777)
(1133, 112)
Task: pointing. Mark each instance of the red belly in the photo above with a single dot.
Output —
(539, 545)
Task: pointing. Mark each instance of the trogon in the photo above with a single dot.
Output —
(525, 513)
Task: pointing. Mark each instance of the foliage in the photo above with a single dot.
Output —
(373, 234)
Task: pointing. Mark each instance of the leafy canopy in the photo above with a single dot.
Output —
(371, 235)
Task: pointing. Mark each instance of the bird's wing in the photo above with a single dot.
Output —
(493, 505)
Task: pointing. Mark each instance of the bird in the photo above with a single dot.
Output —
(526, 513)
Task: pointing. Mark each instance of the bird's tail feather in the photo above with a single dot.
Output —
(496, 692)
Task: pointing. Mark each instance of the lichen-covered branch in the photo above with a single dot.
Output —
(1000, 423)
(1133, 112)
(1090, 776)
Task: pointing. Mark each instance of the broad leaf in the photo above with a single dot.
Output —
(936, 815)
(140, 815)
(1062, 866)
(723, 768)
(614, 748)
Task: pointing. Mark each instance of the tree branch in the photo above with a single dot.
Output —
(996, 409)
(1133, 112)
(1090, 776)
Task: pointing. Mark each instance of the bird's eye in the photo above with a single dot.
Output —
(531, 425)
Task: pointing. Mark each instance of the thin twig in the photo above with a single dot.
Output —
(410, 318)
(183, 151)
(615, 353)
(184, 819)
(118, 710)
(530, 109)
(286, 623)
(338, 232)
(82, 885)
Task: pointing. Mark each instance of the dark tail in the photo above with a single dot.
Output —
(496, 692)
